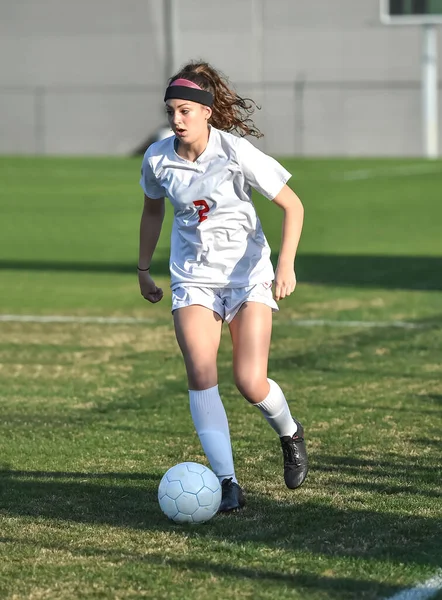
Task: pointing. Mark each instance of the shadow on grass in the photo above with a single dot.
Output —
(299, 525)
(339, 587)
(391, 272)
(5, 473)
(378, 477)
(435, 397)
(414, 469)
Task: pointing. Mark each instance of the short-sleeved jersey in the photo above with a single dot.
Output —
(217, 238)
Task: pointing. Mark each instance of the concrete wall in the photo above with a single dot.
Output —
(87, 77)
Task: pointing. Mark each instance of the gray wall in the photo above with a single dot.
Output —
(87, 77)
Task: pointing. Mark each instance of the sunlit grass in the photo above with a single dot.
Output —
(92, 415)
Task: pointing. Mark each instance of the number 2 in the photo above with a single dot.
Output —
(202, 212)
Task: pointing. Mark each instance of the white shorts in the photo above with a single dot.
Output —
(224, 301)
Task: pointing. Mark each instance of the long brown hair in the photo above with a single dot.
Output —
(230, 112)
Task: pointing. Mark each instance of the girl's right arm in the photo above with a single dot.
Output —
(150, 229)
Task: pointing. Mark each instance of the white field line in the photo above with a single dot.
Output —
(423, 591)
(394, 171)
(138, 321)
(337, 323)
(77, 320)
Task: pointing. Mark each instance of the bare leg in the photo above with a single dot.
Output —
(198, 331)
(251, 331)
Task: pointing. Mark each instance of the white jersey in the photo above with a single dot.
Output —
(217, 239)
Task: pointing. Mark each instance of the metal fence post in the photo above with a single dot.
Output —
(299, 120)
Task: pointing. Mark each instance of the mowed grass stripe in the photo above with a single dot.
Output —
(135, 321)
(103, 396)
(92, 414)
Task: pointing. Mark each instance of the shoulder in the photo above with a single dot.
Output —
(246, 153)
(239, 145)
(158, 150)
(230, 145)
(223, 138)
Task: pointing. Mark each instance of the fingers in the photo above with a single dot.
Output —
(148, 289)
(282, 290)
(154, 296)
(278, 290)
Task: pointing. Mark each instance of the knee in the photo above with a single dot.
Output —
(202, 377)
(253, 386)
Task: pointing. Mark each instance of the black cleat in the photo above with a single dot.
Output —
(232, 496)
(295, 458)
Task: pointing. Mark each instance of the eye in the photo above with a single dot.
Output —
(185, 111)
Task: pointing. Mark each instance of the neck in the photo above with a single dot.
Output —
(195, 149)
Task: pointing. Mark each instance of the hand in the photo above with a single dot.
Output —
(148, 289)
(285, 282)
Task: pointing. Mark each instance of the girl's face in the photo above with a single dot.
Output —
(188, 120)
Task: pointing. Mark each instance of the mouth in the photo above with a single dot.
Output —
(180, 132)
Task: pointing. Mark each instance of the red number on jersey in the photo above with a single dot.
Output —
(202, 212)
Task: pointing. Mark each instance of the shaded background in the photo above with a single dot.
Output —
(87, 77)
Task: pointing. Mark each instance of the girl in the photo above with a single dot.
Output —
(220, 260)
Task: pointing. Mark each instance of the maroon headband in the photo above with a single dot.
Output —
(183, 89)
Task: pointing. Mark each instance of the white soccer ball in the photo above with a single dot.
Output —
(189, 493)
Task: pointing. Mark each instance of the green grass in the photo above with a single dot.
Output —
(92, 415)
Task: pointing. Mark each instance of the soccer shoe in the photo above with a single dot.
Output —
(232, 496)
(295, 458)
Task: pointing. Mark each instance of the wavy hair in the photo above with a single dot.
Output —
(230, 112)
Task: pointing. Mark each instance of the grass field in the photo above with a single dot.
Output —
(92, 414)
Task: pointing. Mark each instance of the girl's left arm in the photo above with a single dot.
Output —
(285, 278)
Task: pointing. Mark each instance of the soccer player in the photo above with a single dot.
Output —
(220, 260)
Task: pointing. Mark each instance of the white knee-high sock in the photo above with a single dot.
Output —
(277, 412)
(212, 427)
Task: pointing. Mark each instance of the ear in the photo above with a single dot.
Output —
(208, 112)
